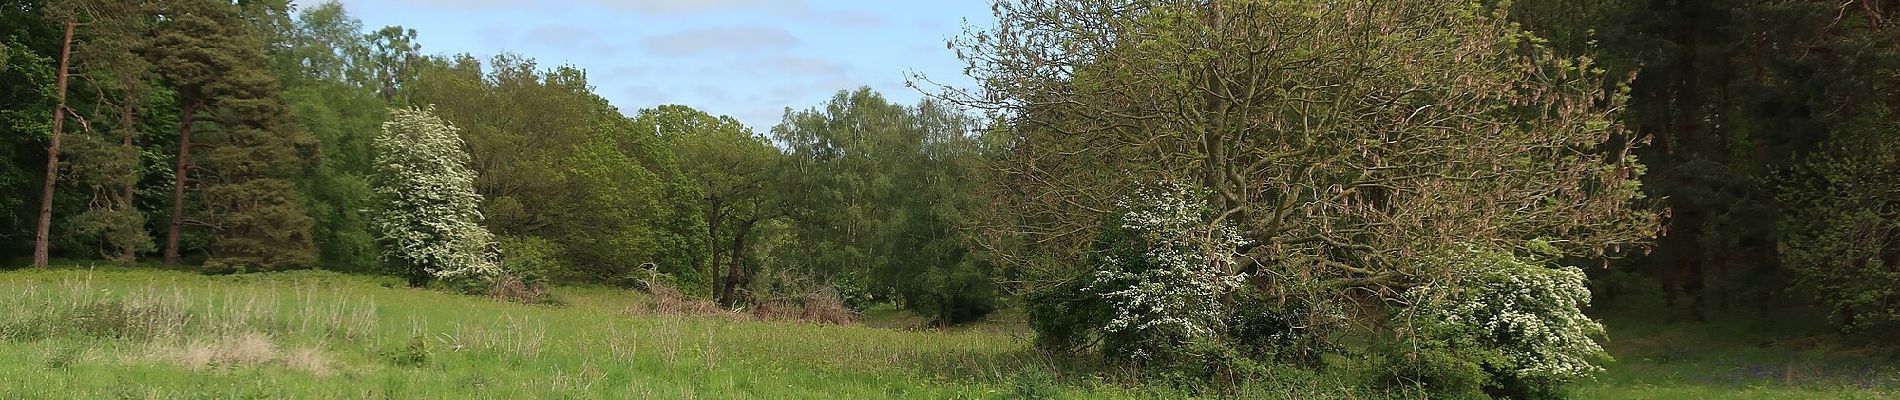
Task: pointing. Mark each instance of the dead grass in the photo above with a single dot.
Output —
(514, 289)
(665, 300)
(824, 307)
(244, 350)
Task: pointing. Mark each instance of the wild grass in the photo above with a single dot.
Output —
(103, 333)
(1740, 354)
(142, 333)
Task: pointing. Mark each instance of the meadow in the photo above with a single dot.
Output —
(80, 332)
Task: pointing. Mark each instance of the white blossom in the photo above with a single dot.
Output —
(1188, 269)
(429, 214)
(1529, 313)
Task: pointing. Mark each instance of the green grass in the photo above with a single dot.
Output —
(144, 333)
(108, 333)
(1786, 355)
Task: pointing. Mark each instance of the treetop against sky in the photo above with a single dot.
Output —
(745, 58)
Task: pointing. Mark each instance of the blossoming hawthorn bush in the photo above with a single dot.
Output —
(1515, 319)
(1158, 285)
(429, 213)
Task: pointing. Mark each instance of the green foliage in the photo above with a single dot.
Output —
(532, 258)
(26, 100)
(1279, 329)
(1843, 238)
(414, 353)
(889, 188)
(555, 161)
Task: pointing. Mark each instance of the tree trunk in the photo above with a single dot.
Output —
(736, 276)
(712, 244)
(127, 193)
(178, 183)
(42, 233)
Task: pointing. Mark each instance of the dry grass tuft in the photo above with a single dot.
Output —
(824, 307)
(509, 287)
(308, 359)
(666, 300)
(244, 350)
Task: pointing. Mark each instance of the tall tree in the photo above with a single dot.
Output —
(42, 233)
(189, 51)
(215, 62)
(733, 171)
(428, 213)
(112, 74)
(324, 49)
(1339, 160)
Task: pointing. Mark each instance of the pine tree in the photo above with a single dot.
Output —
(188, 52)
(106, 162)
(216, 65)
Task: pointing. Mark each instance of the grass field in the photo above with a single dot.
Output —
(139, 333)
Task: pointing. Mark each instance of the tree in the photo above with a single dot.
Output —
(733, 171)
(323, 50)
(557, 162)
(1338, 159)
(40, 236)
(188, 52)
(394, 59)
(214, 61)
(428, 215)
(117, 79)
(880, 190)
(1343, 143)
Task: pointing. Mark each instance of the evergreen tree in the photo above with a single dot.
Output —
(216, 65)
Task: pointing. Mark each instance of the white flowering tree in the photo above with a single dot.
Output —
(428, 213)
(1163, 272)
(1512, 316)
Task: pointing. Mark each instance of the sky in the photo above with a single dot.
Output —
(746, 58)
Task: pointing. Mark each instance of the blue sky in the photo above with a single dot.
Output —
(745, 58)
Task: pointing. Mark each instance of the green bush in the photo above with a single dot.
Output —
(414, 353)
(1282, 329)
(532, 259)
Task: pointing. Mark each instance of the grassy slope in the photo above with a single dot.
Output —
(324, 335)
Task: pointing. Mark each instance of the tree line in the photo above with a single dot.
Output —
(1209, 186)
(244, 137)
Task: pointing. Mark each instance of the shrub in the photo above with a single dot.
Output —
(1159, 276)
(532, 258)
(1513, 318)
(664, 299)
(823, 306)
(414, 353)
(1283, 329)
(509, 287)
